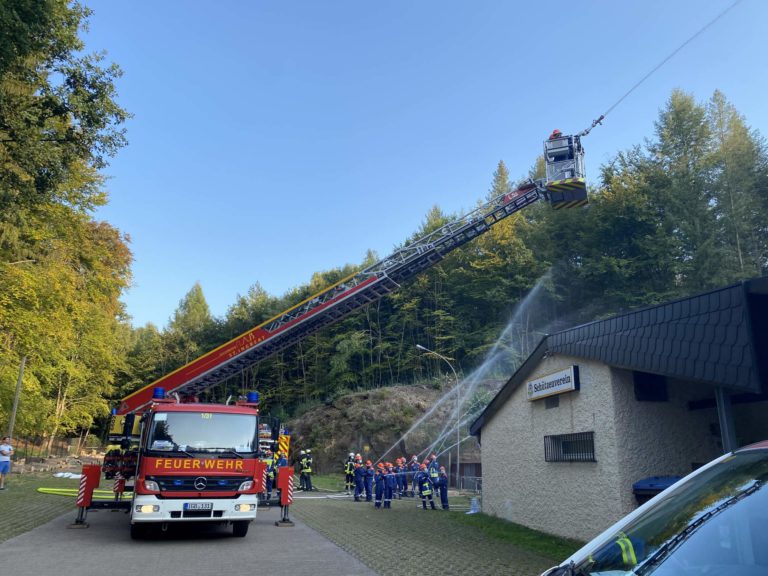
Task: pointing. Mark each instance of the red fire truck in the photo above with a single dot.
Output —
(197, 463)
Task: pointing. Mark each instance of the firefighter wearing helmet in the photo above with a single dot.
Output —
(305, 467)
(442, 487)
(359, 480)
(424, 485)
(368, 478)
(379, 483)
(555, 134)
(349, 473)
(302, 456)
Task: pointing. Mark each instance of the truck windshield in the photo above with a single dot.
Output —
(712, 524)
(202, 432)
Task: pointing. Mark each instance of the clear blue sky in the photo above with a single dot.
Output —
(271, 140)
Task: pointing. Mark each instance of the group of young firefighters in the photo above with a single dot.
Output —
(379, 484)
(387, 481)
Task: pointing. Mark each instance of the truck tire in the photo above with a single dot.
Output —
(140, 531)
(240, 528)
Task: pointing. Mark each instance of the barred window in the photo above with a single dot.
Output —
(578, 447)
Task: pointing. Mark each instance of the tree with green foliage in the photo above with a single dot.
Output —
(61, 272)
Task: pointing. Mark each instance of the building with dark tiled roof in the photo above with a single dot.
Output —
(598, 407)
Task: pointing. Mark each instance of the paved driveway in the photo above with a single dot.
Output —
(407, 540)
(106, 549)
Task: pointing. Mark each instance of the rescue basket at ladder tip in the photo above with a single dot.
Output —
(566, 184)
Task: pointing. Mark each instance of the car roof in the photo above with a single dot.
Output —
(756, 446)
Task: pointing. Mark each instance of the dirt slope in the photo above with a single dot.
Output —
(375, 419)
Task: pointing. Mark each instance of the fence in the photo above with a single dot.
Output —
(37, 447)
(472, 484)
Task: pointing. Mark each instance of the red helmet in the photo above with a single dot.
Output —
(555, 134)
(423, 467)
(380, 465)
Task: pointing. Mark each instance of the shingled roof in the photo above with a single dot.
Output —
(719, 337)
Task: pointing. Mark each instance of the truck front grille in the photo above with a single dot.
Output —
(188, 483)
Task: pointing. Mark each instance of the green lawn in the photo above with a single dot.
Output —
(23, 508)
(533, 540)
(488, 528)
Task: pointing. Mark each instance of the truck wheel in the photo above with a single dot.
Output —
(240, 528)
(139, 531)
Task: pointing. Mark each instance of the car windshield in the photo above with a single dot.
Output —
(716, 523)
(202, 432)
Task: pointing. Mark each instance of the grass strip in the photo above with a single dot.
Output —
(539, 542)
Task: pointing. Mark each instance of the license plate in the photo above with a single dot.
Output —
(198, 505)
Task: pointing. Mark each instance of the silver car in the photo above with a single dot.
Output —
(712, 522)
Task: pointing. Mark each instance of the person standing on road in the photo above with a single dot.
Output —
(270, 462)
(307, 469)
(442, 487)
(359, 480)
(349, 473)
(424, 484)
(302, 477)
(413, 470)
(5, 460)
(379, 485)
(399, 478)
(390, 485)
(434, 469)
(368, 481)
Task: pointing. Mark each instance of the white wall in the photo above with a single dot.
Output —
(633, 440)
(575, 500)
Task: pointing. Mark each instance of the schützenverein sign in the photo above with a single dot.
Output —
(563, 381)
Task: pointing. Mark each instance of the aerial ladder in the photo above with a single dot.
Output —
(563, 187)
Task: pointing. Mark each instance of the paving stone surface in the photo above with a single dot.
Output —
(408, 540)
(106, 549)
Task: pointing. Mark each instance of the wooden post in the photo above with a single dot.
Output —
(12, 421)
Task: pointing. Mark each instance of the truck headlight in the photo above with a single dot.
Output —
(245, 507)
(247, 485)
(151, 485)
(147, 508)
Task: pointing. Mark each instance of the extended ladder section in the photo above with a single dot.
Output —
(350, 294)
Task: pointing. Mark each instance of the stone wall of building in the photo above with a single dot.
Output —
(751, 422)
(571, 499)
(661, 438)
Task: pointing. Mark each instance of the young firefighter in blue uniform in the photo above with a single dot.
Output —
(359, 480)
(424, 485)
(404, 476)
(379, 482)
(442, 487)
(434, 469)
(368, 481)
(390, 485)
(399, 477)
(413, 470)
(349, 473)
(281, 461)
